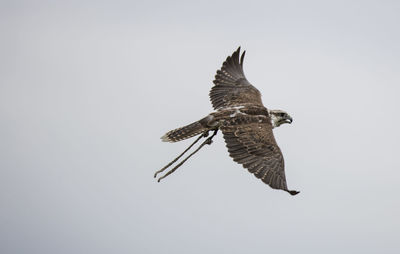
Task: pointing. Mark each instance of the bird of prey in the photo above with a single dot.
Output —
(245, 123)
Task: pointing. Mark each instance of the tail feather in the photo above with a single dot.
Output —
(185, 132)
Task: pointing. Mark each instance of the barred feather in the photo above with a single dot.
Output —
(185, 132)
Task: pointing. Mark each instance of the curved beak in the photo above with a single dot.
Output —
(287, 119)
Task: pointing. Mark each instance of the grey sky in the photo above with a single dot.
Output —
(87, 89)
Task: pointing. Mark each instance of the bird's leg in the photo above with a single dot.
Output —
(208, 141)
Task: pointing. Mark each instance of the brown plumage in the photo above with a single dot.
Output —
(245, 123)
(231, 86)
(186, 132)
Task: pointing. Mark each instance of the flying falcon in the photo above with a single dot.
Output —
(245, 123)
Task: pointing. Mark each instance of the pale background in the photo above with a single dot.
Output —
(88, 87)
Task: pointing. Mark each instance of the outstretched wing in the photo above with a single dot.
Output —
(231, 86)
(250, 142)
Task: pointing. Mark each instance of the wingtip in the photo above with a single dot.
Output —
(293, 192)
(236, 53)
(242, 58)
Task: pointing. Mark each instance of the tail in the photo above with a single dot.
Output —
(185, 132)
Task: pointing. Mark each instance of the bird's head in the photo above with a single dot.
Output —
(279, 117)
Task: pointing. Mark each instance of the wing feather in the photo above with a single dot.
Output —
(252, 144)
(231, 86)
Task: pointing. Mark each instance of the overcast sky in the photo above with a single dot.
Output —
(87, 88)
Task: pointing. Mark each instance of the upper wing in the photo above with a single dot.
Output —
(231, 86)
(250, 142)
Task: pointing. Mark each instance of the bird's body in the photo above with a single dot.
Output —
(245, 123)
(221, 118)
